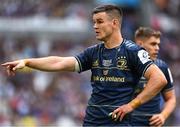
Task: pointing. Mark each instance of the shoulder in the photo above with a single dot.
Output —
(95, 47)
(131, 46)
(135, 52)
(164, 67)
(161, 64)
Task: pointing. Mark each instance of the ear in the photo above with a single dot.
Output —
(115, 22)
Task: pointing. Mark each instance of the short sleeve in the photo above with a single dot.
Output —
(84, 59)
(169, 79)
(140, 61)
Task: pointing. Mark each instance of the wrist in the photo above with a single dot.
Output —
(135, 103)
(25, 61)
(164, 114)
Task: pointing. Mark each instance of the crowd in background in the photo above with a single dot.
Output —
(59, 98)
(47, 8)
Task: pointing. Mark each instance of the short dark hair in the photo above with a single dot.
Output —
(112, 10)
(146, 32)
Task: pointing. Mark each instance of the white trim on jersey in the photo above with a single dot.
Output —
(77, 69)
(170, 75)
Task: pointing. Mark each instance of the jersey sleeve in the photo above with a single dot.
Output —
(169, 79)
(140, 61)
(84, 59)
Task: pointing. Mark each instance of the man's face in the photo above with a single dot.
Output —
(103, 26)
(152, 46)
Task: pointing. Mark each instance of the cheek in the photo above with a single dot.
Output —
(108, 29)
(149, 48)
(107, 26)
(152, 48)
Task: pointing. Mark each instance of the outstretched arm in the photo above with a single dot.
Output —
(170, 103)
(156, 81)
(49, 64)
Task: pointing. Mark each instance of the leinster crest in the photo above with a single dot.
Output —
(122, 63)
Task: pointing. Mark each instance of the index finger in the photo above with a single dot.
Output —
(5, 64)
(8, 63)
(153, 118)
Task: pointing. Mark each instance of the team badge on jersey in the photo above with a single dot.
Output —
(107, 63)
(143, 56)
(122, 63)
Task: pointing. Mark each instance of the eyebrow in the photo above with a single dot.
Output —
(154, 42)
(98, 19)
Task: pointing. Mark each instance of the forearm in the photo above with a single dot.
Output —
(169, 105)
(156, 81)
(168, 109)
(51, 63)
(153, 87)
(148, 93)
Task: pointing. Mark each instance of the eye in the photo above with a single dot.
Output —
(153, 44)
(101, 21)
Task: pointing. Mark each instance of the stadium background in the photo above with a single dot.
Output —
(37, 28)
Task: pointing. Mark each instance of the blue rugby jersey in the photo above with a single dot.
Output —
(115, 72)
(154, 105)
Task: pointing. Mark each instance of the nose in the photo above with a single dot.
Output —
(157, 47)
(95, 26)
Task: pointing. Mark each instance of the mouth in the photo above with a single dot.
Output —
(155, 55)
(97, 33)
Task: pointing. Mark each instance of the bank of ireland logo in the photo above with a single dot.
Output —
(122, 63)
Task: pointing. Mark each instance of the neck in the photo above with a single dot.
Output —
(113, 41)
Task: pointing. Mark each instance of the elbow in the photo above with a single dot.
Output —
(164, 81)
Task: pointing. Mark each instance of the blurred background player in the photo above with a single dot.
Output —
(149, 39)
(116, 65)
